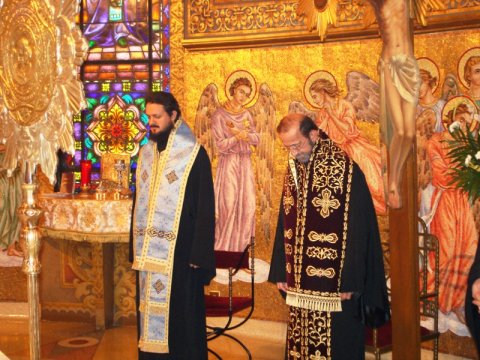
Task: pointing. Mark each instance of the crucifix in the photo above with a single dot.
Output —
(399, 84)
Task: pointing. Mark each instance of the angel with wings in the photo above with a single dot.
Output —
(337, 117)
(428, 122)
(428, 103)
(232, 132)
(452, 220)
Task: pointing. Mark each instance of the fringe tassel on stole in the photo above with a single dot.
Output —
(314, 302)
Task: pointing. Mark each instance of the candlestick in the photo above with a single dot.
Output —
(120, 167)
(29, 214)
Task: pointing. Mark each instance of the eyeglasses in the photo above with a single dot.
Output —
(297, 146)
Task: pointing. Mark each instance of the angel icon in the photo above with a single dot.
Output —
(337, 117)
(428, 104)
(428, 122)
(233, 132)
(469, 73)
(451, 217)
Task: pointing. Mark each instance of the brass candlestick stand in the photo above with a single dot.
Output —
(84, 191)
(29, 215)
(120, 167)
(120, 191)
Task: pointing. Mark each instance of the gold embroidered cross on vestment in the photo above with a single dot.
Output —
(325, 203)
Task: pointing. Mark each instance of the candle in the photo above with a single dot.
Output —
(85, 172)
(28, 173)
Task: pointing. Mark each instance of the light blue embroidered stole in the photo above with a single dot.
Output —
(161, 183)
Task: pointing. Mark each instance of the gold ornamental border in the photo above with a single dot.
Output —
(222, 24)
(83, 236)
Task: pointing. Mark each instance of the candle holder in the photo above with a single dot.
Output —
(30, 241)
(116, 195)
(84, 190)
(100, 191)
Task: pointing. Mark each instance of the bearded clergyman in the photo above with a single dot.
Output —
(172, 236)
(327, 258)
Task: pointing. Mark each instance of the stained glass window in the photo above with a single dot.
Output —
(129, 54)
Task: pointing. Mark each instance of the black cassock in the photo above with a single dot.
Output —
(471, 310)
(363, 274)
(195, 245)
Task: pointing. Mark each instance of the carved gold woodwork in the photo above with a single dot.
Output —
(177, 24)
(39, 90)
(214, 24)
(39, 94)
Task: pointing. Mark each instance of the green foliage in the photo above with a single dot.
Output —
(463, 150)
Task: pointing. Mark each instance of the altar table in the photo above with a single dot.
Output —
(99, 222)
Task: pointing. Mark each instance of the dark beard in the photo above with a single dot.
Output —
(161, 138)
